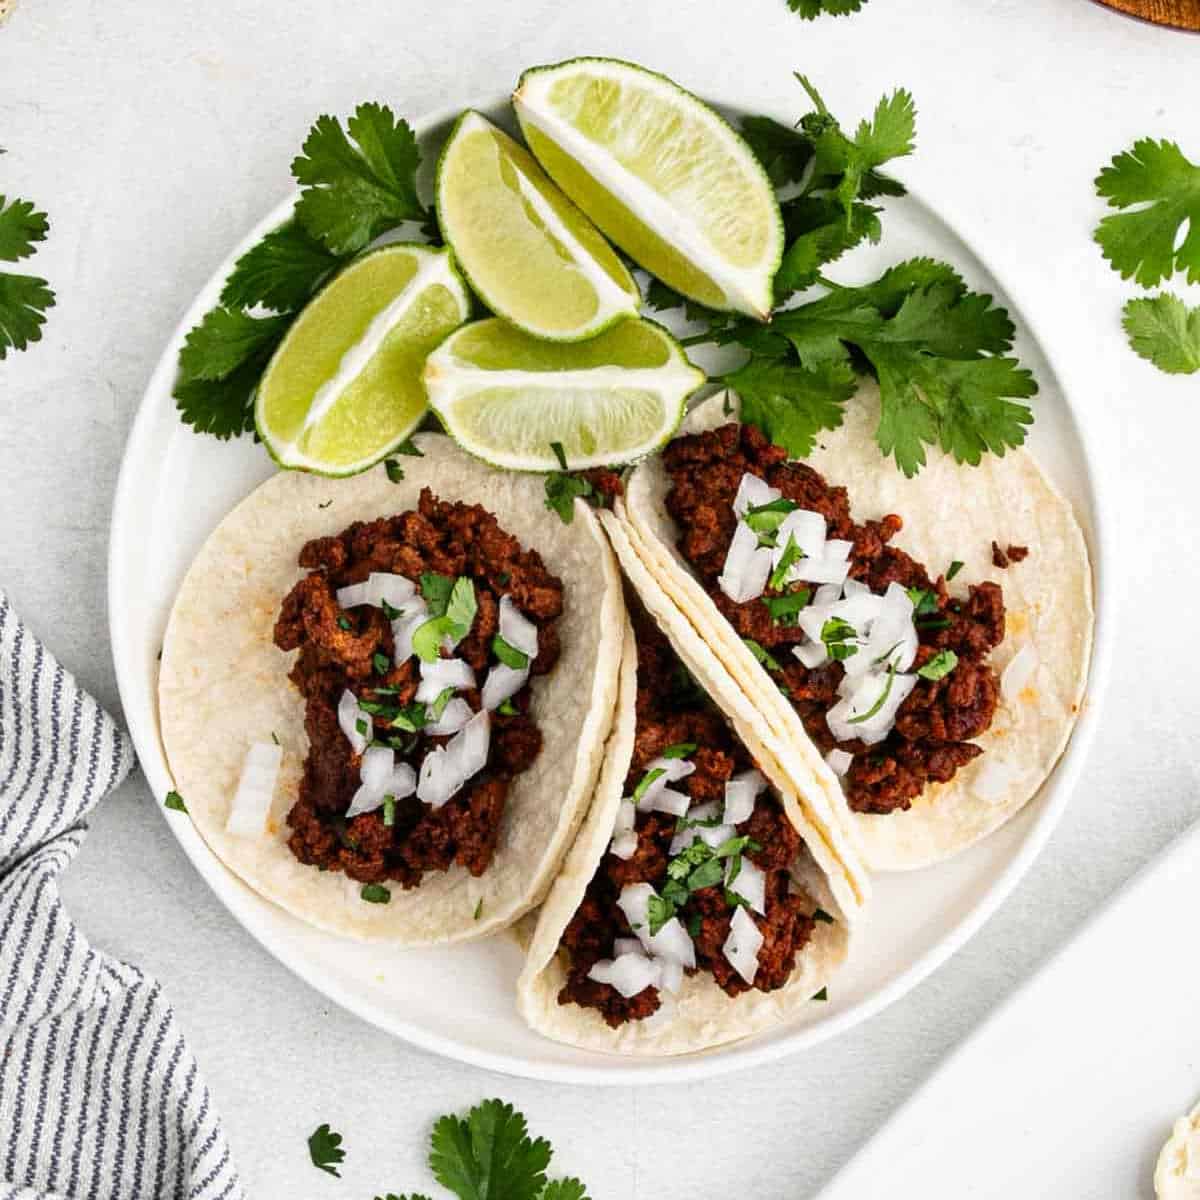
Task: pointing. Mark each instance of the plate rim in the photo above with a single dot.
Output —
(240, 901)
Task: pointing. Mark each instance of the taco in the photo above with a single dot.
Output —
(920, 645)
(691, 910)
(385, 703)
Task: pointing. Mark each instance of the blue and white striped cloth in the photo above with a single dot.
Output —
(100, 1097)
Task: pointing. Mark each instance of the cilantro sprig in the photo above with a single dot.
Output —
(1163, 330)
(809, 10)
(358, 183)
(325, 1150)
(24, 299)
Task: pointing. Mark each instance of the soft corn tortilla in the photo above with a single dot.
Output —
(950, 512)
(223, 685)
(701, 1015)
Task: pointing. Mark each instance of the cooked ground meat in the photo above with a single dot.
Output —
(352, 648)
(670, 710)
(931, 737)
(1004, 557)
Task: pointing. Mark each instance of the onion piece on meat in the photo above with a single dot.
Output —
(670, 974)
(381, 776)
(350, 716)
(672, 770)
(628, 973)
(747, 566)
(751, 884)
(442, 673)
(517, 629)
(502, 683)
(671, 941)
(379, 586)
(414, 614)
(623, 845)
(454, 716)
(1018, 672)
(446, 769)
(811, 654)
(743, 944)
(669, 800)
(740, 794)
(861, 697)
(753, 493)
(839, 761)
(624, 945)
(256, 785)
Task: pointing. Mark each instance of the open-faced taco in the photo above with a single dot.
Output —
(698, 904)
(384, 700)
(920, 644)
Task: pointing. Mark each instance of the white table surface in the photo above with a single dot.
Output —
(156, 133)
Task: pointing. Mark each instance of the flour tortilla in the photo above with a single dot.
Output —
(701, 1016)
(223, 685)
(950, 512)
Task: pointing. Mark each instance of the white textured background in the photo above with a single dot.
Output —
(156, 132)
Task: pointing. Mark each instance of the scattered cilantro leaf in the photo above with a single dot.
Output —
(226, 339)
(818, 233)
(658, 912)
(783, 609)
(508, 654)
(324, 1148)
(375, 893)
(410, 449)
(561, 493)
(507, 708)
(21, 225)
(439, 703)
(790, 403)
(1164, 185)
(457, 615)
(281, 271)
(823, 994)
(358, 187)
(644, 783)
(560, 454)
(1163, 330)
(953, 569)
(174, 801)
(489, 1155)
(24, 300)
(679, 750)
(840, 639)
(564, 1189)
(939, 666)
(221, 407)
(395, 472)
(791, 555)
(809, 10)
(879, 703)
(435, 590)
(478, 909)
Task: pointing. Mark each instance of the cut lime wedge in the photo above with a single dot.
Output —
(510, 399)
(661, 174)
(532, 256)
(345, 387)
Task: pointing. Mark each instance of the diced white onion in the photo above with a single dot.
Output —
(743, 944)
(381, 777)
(517, 629)
(994, 779)
(753, 493)
(839, 761)
(442, 673)
(673, 770)
(414, 614)
(747, 566)
(256, 785)
(454, 716)
(628, 973)
(830, 593)
(819, 570)
(502, 683)
(806, 529)
(623, 945)
(378, 587)
(352, 595)
(349, 716)
(811, 654)
(670, 974)
(715, 835)
(860, 698)
(740, 794)
(685, 837)
(668, 800)
(852, 587)
(1018, 672)
(446, 769)
(376, 768)
(623, 845)
(626, 816)
(751, 884)
(671, 941)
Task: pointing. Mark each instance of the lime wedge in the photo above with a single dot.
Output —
(345, 387)
(532, 256)
(661, 174)
(509, 398)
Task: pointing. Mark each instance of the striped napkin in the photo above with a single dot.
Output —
(99, 1095)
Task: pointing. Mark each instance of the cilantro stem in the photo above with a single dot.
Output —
(697, 339)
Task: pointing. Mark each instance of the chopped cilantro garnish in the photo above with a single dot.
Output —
(326, 504)
(24, 299)
(839, 637)
(823, 994)
(508, 654)
(679, 750)
(361, 725)
(503, 578)
(933, 623)
(174, 801)
(392, 614)
(324, 1148)
(695, 923)
(479, 908)
(707, 874)
(809, 10)
(822, 916)
(377, 708)
(381, 663)
(783, 609)
(389, 811)
(766, 518)
(939, 666)
(562, 491)
(435, 589)
(435, 710)
(454, 622)
(411, 718)
(659, 912)
(791, 555)
(410, 448)
(275, 737)
(344, 623)
(560, 454)
(645, 782)
(763, 655)
(953, 569)
(887, 691)
(923, 600)
(395, 472)
(507, 708)
(375, 893)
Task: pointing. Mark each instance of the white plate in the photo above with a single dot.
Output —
(175, 486)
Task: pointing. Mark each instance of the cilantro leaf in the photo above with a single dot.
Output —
(24, 300)
(1165, 331)
(20, 226)
(435, 590)
(564, 1189)
(225, 339)
(281, 272)
(783, 151)
(809, 10)
(819, 232)
(661, 297)
(324, 1148)
(561, 492)
(1141, 242)
(352, 193)
(790, 403)
(174, 801)
(489, 1155)
(222, 407)
(939, 666)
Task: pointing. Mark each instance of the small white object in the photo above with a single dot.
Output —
(628, 973)
(839, 761)
(740, 793)
(442, 673)
(860, 698)
(517, 629)
(1018, 672)
(454, 716)
(811, 654)
(673, 770)
(747, 566)
(670, 974)
(414, 614)
(256, 785)
(751, 884)
(623, 845)
(627, 946)
(806, 529)
(753, 493)
(671, 941)
(379, 586)
(743, 944)
(716, 835)
(502, 683)
(445, 770)
(349, 717)
(669, 800)
(401, 781)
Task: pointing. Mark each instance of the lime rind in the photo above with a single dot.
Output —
(745, 289)
(435, 273)
(579, 408)
(616, 295)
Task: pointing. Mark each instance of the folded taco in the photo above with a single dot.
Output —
(384, 701)
(920, 645)
(691, 910)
